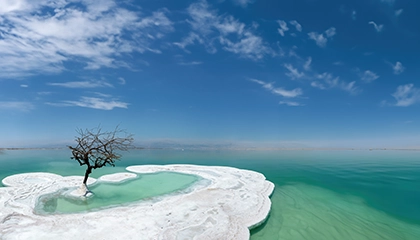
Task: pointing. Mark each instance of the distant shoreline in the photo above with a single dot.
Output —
(231, 149)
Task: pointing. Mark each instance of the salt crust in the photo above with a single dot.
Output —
(117, 177)
(225, 206)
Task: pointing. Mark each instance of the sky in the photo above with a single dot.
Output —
(267, 73)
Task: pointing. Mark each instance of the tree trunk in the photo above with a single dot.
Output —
(88, 171)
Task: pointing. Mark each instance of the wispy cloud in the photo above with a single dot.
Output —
(321, 39)
(307, 65)
(40, 36)
(291, 103)
(318, 85)
(121, 80)
(93, 102)
(398, 68)
(250, 46)
(406, 95)
(293, 72)
(279, 91)
(16, 105)
(243, 3)
(350, 87)
(82, 84)
(330, 32)
(192, 63)
(353, 15)
(297, 25)
(283, 27)
(368, 76)
(378, 28)
(398, 12)
(329, 81)
(209, 28)
(180, 60)
(191, 39)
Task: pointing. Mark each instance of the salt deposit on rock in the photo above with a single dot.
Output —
(224, 205)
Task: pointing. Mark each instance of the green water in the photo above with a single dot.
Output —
(318, 195)
(112, 194)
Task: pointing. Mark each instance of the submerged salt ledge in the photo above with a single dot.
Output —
(233, 201)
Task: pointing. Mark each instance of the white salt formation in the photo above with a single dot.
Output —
(224, 205)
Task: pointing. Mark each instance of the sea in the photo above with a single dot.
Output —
(319, 194)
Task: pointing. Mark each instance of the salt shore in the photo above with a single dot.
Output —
(224, 205)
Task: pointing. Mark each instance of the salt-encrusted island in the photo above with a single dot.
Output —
(224, 204)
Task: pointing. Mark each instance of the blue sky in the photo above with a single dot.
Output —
(307, 73)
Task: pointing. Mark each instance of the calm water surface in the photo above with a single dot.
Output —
(318, 195)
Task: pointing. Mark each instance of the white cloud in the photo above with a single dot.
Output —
(209, 28)
(353, 15)
(398, 68)
(279, 91)
(290, 103)
(318, 38)
(250, 46)
(189, 40)
(93, 102)
(330, 32)
(329, 79)
(321, 39)
(203, 19)
(122, 80)
(335, 82)
(287, 93)
(15, 5)
(192, 63)
(368, 76)
(350, 87)
(243, 3)
(297, 25)
(180, 60)
(293, 72)
(40, 36)
(406, 95)
(398, 12)
(317, 84)
(228, 25)
(82, 84)
(16, 105)
(378, 28)
(283, 27)
(24, 85)
(307, 65)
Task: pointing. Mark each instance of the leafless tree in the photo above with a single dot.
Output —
(96, 148)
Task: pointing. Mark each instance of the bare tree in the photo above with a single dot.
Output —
(96, 148)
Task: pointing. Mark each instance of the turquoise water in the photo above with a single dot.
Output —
(113, 194)
(318, 195)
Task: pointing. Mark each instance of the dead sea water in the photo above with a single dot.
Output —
(318, 195)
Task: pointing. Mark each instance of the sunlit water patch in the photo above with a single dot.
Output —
(146, 186)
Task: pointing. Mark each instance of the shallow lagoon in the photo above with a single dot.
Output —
(318, 195)
(108, 194)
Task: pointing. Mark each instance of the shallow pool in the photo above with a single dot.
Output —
(145, 186)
